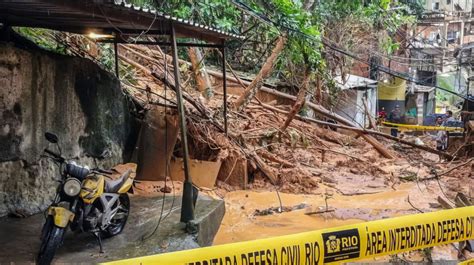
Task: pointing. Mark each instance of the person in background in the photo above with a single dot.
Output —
(382, 115)
(439, 121)
(448, 117)
(395, 115)
(440, 136)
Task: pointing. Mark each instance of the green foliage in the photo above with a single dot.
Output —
(302, 30)
(390, 46)
(414, 7)
(303, 25)
(42, 38)
(106, 56)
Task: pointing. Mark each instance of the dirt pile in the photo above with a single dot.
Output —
(305, 158)
(309, 161)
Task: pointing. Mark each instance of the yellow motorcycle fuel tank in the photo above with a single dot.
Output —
(92, 188)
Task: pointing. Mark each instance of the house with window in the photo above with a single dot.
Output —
(445, 27)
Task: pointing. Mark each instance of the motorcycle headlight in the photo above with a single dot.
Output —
(72, 187)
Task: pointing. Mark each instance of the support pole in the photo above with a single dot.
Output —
(224, 85)
(187, 205)
(116, 60)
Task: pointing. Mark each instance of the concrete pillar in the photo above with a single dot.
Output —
(444, 42)
(444, 35)
(461, 34)
(420, 98)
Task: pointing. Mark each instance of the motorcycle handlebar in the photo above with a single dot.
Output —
(54, 155)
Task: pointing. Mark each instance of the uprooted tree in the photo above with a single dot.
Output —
(258, 81)
(203, 81)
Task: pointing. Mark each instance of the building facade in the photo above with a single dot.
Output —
(439, 54)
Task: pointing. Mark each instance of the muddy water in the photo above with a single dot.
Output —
(241, 224)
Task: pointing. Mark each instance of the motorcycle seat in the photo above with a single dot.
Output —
(112, 186)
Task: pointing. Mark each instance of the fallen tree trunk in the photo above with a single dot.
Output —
(199, 71)
(363, 132)
(300, 99)
(323, 111)
(257, 83)
(372, 122)
(170, 82)
(388, 136)
(319, 109)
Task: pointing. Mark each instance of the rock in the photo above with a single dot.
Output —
(70, 96)
(354, 170)
(166, 189)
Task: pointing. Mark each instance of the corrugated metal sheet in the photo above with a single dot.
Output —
(104, 16)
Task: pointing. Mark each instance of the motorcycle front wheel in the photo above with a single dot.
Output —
(50, 242)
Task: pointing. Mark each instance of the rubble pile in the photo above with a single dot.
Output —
(321, 163)
(305, 158)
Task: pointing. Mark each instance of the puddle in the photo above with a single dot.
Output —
(241, 224)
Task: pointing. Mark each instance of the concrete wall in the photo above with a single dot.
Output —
(41, 91)
(350, 105)
(392, 94)
(448, 6)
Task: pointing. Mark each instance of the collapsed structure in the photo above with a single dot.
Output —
(254, 148)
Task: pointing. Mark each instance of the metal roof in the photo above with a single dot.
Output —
(103, 16)
(354, 81)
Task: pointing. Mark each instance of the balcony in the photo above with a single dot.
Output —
(439, 16)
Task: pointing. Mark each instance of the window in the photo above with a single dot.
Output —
(435, 6)
(448, 2)
(453, 36)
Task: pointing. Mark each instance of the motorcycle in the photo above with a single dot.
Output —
(86, 201)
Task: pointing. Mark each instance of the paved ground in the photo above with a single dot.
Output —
(19, 237)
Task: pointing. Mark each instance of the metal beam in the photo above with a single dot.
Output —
(164, 43)
(224, 86)
(187, 205)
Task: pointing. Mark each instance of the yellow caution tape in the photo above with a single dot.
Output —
(345, 243)
(424, 128)
(467, 262)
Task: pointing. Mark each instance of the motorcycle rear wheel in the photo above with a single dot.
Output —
(117, 224)
(53, 236)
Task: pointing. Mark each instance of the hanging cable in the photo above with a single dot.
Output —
(326, 43)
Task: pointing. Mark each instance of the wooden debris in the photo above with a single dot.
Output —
(323, 111)
(199, 70)
(274, 158)
(364, 132)
(265, 71)
(444, 203)
(320, 210)
(372, 122)
(300, 99)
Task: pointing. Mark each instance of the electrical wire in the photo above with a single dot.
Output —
(167, 164)
(326, 43)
